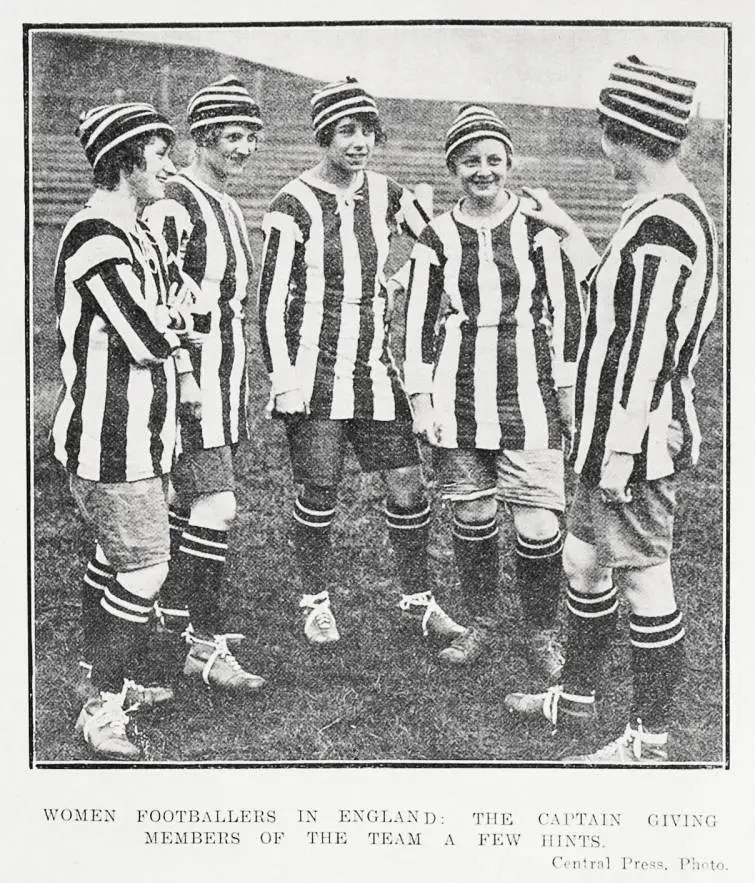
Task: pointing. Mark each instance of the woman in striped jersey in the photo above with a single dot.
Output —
(652, 295)
(492, 391)
(323, 311)
(118, 301)
(204, 228)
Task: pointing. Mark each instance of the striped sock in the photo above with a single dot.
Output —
(477, 560)
(312, 525)
(125, 626)
(98, 576)
(538, 574)
(657, 663)
(173, 601)
(592, 623)
(409, 529)
(203, 552)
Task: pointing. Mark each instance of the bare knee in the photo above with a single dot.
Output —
(214, 511)
(535, 523)
(480, 510)
(404, 487)
(649, 590)
(582, 569)
(144, 582)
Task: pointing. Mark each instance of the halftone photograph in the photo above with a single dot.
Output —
(378, 395)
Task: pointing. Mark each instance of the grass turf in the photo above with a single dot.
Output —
(380, 694)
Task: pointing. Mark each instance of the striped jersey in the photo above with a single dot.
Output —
(115, 419)
(205, 229)
(652, 297)
(323, 294)
(493, 325)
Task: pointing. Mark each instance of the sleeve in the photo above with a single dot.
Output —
(422, 309)
(561, 286)
(581, 253)
(282, 235)
(657, 271)
(101, 269)
(411, 216)
(170, 224)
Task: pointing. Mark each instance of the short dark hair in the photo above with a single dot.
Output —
(371, 124)
(124, 158)
(454, 155)
(621, 133)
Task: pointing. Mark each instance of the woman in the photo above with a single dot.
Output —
(323, 297)
(204, 228)
(492, 392)
(116, 295)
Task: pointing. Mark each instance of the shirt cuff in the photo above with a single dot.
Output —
(564, 374)
(418, 378)
(183, 361)
(626, 431)
(284, 380)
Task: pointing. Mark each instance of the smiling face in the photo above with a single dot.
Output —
(147, 181)
(227, 152)
(351, 145)
(481, 168)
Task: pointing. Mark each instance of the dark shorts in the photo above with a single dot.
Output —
(206, 471)
(129, 519)
(318, 447)
(636, 534)
(524, 478)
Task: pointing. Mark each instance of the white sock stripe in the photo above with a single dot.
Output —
(474, 526)
(321, 512)
(650, 645)
(543, 545)
(583, 614)
(584, 598)
(649, 629)
(97, 568)
(121, 614)
(314, 524)
(198, 554)
(419, 521)
(202, 541)
(175, 611)
(493, 533)
(90, 582)
(538, 557)
(145, 607)
(406, 515)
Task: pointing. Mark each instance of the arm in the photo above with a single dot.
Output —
(101, 270)
(282, 234)
(423, 306)
(660, 266)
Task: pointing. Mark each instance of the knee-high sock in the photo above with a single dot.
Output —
(657, 664)
(202, 552)
(409, 529)
(119, 650)
(539, 573)
(478, 563)
(312, 524)
(174, 603)
(592, 623)
(98, 576)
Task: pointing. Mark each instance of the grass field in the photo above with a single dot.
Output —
(381, 695)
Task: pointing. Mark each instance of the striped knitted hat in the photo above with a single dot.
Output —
(103, 128)
(473, 122)
(222, 103)
(649, 99)
(338, 100)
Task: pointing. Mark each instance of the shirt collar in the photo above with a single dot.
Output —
(114, 206)
(490, 222)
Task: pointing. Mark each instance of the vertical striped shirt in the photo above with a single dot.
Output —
(115, 419)
(323, 294)
(652, 296)
(493, 327)
(205, 229)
